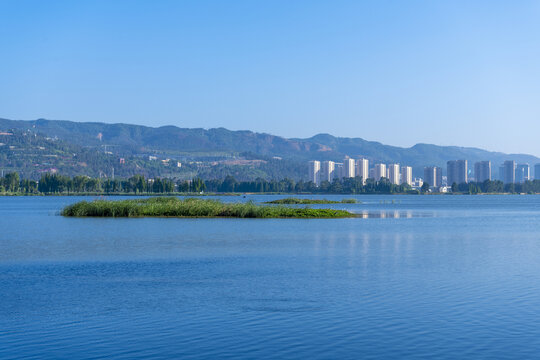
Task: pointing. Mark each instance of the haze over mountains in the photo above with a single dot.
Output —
(199, 144)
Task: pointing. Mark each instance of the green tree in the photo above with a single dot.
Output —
(228, 185)
(12, 182)
(197, 185)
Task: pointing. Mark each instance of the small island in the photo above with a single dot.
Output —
(194, 208)
(296, 201)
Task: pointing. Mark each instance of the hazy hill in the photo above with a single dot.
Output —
(138, 138)
(32, 154)
(201, 143)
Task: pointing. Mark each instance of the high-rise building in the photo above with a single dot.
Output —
(348, 167)
(393, 173)
(406, 175)
(509, 172)
(482, 171)
(537, 171)
(501, 173)
(433, 176)
(338, 170)
(438, 176)
(362, 169)
(523, 173)
(315, 172)
(380, 171)
(456, 172)
(327, 171)
(429, 175)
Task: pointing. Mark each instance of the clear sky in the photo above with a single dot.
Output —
(399, 72)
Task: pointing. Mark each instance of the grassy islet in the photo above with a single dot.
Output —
(191, 207)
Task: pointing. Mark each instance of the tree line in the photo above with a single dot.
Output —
(12, 183)
(138, 184)
(497, 186)
(338, 186)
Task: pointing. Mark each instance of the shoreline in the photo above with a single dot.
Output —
(244, 194)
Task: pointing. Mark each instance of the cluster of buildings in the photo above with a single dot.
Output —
(330, 170)
(510, 172)
(456, 172)
(165, 162)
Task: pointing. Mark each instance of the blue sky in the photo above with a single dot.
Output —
(400, 72)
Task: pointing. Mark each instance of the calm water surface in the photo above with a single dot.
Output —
(418, 277)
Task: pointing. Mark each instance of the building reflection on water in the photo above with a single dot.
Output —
(382, 214)
(393, 214)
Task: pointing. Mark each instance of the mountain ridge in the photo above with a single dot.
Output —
(172, 140)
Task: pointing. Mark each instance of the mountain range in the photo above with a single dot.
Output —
(221, 146)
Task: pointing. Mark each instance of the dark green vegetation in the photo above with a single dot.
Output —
(216, 153)
(497, 186)
(55, 184)
(296, 201)
(191, 207)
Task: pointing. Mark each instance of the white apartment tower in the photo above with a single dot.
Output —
(456, 172)
(362, 169)
(406, 175)
(393, 173)
(327, 171)
(380, 171)
(523, 173)
(482, 171)
(433, 176)
(315, 172)
(338, 170)
(348, 167)
(508, 172)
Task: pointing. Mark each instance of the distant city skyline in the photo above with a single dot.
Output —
(399, 73)
(457, 172)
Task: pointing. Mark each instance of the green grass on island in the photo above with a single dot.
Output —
(191, 207)
(296, 201)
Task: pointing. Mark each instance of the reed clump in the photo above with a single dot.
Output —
(296, 201)
(191, 207)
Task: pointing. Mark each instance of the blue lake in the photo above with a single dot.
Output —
(419, 277)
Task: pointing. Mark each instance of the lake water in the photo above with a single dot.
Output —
(419, 277)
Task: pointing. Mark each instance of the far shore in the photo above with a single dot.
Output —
(7, 194)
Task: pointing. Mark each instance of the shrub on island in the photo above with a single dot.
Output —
(191, 207)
